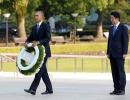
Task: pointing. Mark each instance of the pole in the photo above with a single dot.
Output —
(7, 32)
(74, 16)
(75, 31)
(1, 60)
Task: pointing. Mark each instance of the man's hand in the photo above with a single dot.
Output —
(124, 56)
(34, 44)
(26, 44)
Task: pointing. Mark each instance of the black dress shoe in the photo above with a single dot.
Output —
(30, 91)
(121, 93)
(117, 93)
(47, 92)
(113, 92)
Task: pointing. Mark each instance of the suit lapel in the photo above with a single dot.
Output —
(36, 28)
(111, 31)
(35, 31)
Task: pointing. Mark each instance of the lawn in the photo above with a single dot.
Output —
(71, 65)
(79, 48)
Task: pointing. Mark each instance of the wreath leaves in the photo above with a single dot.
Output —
(38, 63)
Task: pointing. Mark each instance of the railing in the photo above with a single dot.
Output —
(76, 63)
(4, 59)
(104, 62)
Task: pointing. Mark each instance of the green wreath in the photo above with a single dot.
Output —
(37, 64)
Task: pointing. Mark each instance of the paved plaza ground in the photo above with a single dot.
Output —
(11, 88)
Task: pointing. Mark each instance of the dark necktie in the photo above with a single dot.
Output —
(113, 31)
(38, 26)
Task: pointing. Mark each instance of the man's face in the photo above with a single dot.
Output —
(114, 20)
(39, 16)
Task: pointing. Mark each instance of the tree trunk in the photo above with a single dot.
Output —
(21, 6)
(21, 26)
(99, 26)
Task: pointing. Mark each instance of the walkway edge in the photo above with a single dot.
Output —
(65, 75)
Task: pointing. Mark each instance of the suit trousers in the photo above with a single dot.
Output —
(118, 73)
(42, 73)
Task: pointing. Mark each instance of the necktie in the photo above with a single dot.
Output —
(38, 26)
(113, 31)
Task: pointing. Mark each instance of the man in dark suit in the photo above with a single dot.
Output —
(116, 52)
(41, 33)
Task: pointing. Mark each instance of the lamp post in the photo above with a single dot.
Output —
(74, 15)
(7, 15)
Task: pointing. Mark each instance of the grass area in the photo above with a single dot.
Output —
(68, 64)
(71, 65)
(10, 49)
(8, 67)
(79, 48)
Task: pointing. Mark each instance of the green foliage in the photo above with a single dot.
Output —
(5, 5)
(32, 5)
(101, 5)
(124, 9)
(64, 8)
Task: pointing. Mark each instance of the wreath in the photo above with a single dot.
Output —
(30, 59)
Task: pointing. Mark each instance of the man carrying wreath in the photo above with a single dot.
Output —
(41, 33)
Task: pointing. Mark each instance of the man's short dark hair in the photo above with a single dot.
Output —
(39, 9)
(116, 14)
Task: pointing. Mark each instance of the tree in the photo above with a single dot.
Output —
(101, 6)
(123, 8)
(65, 8)
(19, 7)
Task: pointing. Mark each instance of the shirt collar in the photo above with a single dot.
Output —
(39, 23)
(117, 24)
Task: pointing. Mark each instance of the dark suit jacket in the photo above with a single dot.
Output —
(43, 36)
(118, 44)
